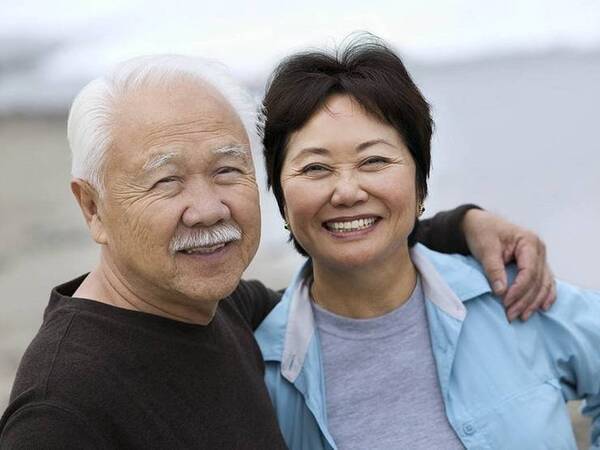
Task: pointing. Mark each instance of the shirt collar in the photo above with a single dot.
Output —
(448, 282)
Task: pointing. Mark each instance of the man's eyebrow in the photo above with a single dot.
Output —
(240, 151)
(159, 160)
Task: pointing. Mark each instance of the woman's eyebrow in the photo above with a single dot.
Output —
(364, 145)
(310, 151)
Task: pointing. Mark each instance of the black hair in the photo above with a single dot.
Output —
(365, 69)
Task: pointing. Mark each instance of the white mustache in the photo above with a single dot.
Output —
(206, 237)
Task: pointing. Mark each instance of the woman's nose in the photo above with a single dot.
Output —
(348, 190)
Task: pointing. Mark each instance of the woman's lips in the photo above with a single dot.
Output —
(349, 225)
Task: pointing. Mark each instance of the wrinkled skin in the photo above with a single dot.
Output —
(180, 160)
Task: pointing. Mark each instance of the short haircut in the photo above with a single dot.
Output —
(92, 112)
(366, 69)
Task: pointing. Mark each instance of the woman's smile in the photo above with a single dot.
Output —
(349, 187)
(346, 227)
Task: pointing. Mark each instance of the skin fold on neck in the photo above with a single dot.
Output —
(104, 285)
(364, 292)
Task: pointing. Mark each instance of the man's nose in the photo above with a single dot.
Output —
(205, 206)
(348, 190)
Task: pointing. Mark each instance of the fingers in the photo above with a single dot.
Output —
(528, 278)
(542, 296)
(551, 297)
(534, 286)
(520, 305)
(493, 265)
(495, 242)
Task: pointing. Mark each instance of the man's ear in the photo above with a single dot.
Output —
(88, 200)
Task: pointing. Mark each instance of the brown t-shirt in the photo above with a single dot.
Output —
(97, 376)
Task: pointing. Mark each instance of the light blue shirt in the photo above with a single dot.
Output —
(504, 385)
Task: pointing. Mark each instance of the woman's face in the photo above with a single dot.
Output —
(349, 186)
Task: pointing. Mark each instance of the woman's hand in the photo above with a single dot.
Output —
(495, 242)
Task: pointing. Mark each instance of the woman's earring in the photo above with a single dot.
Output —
(286, 225)
(421, 209)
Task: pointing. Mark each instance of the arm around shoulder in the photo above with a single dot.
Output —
(443, 232)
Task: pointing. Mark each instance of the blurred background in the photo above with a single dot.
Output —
(514, 85)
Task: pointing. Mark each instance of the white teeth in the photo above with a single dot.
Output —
(351, 225)
(204, 250)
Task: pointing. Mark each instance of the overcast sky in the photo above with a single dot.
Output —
(251, 36)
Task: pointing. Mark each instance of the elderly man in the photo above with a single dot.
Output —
(154, 347)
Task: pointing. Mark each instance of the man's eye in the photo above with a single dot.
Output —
(166, 181)
(228, 170)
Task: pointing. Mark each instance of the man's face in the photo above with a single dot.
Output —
(179, 182)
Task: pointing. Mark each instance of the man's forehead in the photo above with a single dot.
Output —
(165, 116)
(181, 97)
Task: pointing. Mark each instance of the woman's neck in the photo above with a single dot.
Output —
(364, 292)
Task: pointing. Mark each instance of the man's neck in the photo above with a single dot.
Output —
(365, 292)
(105, 285)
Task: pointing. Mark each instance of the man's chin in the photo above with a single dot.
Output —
(210, 285)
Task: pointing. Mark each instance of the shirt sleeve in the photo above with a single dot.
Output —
(255, 301)
(46, 426)
(571, 329)
(443, 232)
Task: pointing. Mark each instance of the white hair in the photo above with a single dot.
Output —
(91, 115)
(220, 233)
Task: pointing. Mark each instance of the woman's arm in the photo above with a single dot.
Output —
(571, 333)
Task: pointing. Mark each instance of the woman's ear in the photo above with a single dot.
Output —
(286, 223)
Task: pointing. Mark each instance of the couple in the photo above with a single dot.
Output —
(378, 342)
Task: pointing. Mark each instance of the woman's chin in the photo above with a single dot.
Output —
(347, 262)
(356, 257)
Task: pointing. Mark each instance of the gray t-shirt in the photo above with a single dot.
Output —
(381, 384)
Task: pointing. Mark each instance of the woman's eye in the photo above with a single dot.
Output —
(375, 160)
(314, 169)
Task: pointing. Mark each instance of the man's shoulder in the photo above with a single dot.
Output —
(27, 425)
(253, 300)
(56, 374)
(79, 344)
(59, 353)
(252, 289)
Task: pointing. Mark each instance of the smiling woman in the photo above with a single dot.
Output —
(380, 343)
(342, 157)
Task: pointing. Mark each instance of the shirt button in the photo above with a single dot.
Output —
(468, 429)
